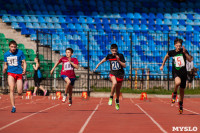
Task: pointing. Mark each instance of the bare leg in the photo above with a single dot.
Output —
(190, 85)
(114, 84)
(11, 83)
(118, 87)
(19, 86)
(70, 91)
(42, 88)
(181, 94)
(67, 80)
(35, 90)
(177, 83)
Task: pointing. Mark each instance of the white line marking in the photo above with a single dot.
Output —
(158, 125)
(87, 121)
(22, 103)
(27, 117)
(183, 107)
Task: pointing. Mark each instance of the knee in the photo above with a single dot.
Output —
(177, 83)
(115, 83)
(68, 82)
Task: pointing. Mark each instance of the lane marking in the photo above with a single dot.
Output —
(10, 124)
(89, 118)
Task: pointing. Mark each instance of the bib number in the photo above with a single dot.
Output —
(179, 61)
(67, 66)
(12, 61)
(115, 65)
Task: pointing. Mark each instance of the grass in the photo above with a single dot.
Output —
(154, 90)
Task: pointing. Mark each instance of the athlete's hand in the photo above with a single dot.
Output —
(24, 72)
(51, 72)
(184, 50)
(4, 70)
(117, 57)
(161, 68)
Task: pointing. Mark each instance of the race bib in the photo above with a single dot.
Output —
(67, 66)
(12, 61)
(115, 65)
(179, 61)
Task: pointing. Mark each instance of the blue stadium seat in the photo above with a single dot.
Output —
(151, 22)
(175, 16)
(152, 16)
(160, 16)
(48, 19)
(105, 21)
(85, 27)
(112, 21)
(144, 28)
(175, 22)
(189, 22)
(57, 26)
(89, 20)
(82, 20)
(159, 21)
(143, 21)
(182, 28)
(136, 21)
(167, 21)
(189, 28)
(24, 31)
(145, 16)
(13, 19)
(37, 13)
(78, 27)
(168, 16)
(97, 20)
(190, 16)
(182, 22)
(128, 21)
(55, 20)
(36, 26)
(15, 25)
(43, 25)
(174, 28)
(137, 16)
(22, 25)
(196, 22)
(20, 19)
(129, 27)
(50, 26)
(34, 19)
(196, 16)
(29, 25)
(130, 15)
(61, 20)
(183, 16)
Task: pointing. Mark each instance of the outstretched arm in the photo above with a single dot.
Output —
(24, 66)
(5, 67)
(102, 61)
(165, 59)
(54, 67)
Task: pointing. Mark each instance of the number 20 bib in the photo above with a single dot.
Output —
(115, 65)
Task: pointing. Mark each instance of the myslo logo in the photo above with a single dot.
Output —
(194, 129)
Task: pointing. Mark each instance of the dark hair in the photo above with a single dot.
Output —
(12, 42)
(70, 49)
(177, 40)
(38, 59)
(113, 46)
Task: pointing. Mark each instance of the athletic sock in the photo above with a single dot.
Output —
(117, 100)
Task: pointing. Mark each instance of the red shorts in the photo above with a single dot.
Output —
(15, 76)
(119, 80)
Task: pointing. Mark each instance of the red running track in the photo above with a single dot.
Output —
(94, 115)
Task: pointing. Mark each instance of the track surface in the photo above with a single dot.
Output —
(41, 114)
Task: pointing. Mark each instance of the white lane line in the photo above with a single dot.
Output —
(157, 124)
(183, 107)
(87, 121)
(22, 103)
(27, 117)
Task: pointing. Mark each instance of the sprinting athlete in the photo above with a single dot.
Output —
(179, 72)
(117, 63)
(13, 60)
(67, 73)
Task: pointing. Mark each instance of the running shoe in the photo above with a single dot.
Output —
(64, 99)
(70, 102)
(13, 110)
(180, 107)
(173, 98)
(116, 105)
(110, 101)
